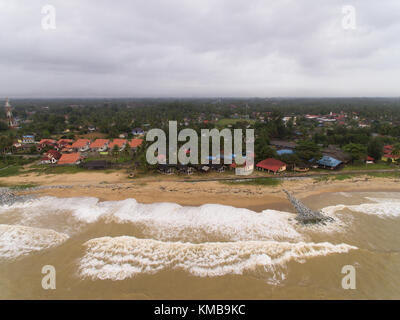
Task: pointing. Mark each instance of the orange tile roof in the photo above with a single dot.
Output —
(65, 141)
(80, 143)
(47, 141)
(135, 143)
(118, 142)
(69, 158)
(99, 143)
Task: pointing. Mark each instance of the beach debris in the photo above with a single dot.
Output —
(304, 214)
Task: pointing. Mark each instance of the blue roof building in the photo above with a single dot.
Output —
(329, 162)
(284, 151)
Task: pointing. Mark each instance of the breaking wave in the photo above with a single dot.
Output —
(161, 221)
(382, 207)
(17, 240)
(124, 257)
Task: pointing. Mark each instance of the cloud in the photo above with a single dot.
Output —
(199, 48)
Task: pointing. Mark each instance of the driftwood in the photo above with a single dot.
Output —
(304, 214)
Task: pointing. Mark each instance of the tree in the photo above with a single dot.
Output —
(263, 152)
(115, 151)
(396, 149)
(375, 148)
(308, 150)
(357, 151)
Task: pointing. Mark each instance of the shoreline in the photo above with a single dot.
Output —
(115, 186)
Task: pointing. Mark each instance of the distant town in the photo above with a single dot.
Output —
(291, 135)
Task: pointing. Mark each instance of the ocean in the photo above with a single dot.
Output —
(128, 250)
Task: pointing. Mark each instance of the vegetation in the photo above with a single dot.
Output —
(255, 182)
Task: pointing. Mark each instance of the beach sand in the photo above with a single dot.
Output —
(158, 188)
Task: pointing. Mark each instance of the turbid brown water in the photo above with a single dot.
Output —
(125, 250)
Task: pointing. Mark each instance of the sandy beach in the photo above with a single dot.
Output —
(159, 188)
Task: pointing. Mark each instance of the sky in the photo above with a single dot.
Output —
(200, 48)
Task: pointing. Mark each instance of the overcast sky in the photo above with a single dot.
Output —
(199, 48)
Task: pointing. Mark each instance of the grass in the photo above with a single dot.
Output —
(45, 169)
(372, 166)
(254, 182)
(10, 171)
(384, 174)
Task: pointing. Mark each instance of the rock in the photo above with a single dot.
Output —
(304, 214)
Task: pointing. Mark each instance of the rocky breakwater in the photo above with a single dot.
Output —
(304, 214)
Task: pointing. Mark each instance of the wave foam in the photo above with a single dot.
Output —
(16, 241)
(162, 221)
(124, 257)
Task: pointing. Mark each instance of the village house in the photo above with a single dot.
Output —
(81, 145)
(336, 153)
(388, 153)
(271, 165)
(27, 139)
(328, 162)
(121, 143)
(62, 143)
(369, 160)
(67, 149)
(70, 158)
(135, 144)
(46, 143)
(137, 131)
(51, 156)
(99, 145)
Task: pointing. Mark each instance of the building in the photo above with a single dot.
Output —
(46, 143)
(369, 160)
(271, 165)
(388, 156)
(337, 153)
(137, 131)
(27, 139)
(81, 145)
(51, 156)
(284, 151)
(63, 142)
(70, 158)
(99, 145)
(121, 143)
(135, 144)
(328, 162)
(388, 153)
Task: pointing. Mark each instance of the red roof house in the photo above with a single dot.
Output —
(63, 142)
(271, 165)
(70, 158)
(81, 144)
(99, 145)
(51, 156)
(46, 143)
(118, 142)
(135, 143)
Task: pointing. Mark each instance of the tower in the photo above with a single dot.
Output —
(10, 118)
